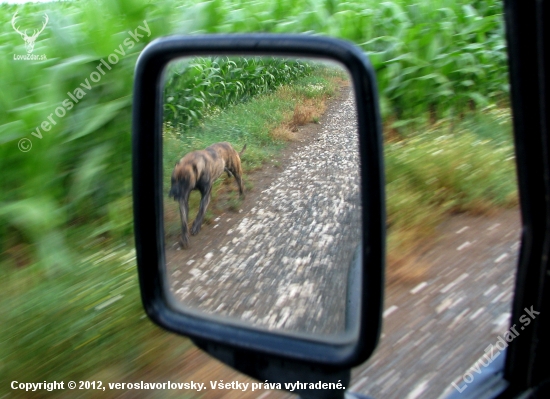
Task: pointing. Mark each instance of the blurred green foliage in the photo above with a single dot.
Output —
(449, 167)
(77, 170)
(432, 58)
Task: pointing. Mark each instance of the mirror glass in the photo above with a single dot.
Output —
(262, 206)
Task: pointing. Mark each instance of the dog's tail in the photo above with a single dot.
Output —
(241, 153)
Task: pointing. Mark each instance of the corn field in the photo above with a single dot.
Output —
(432, 58)
(227, 81)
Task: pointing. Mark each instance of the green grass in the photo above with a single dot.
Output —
(84, 324)
(448, 168)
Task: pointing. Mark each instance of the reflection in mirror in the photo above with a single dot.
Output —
(262, 207)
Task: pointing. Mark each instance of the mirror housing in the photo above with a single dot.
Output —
(254, 351)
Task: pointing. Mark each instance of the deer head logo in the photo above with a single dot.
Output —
(29, 40)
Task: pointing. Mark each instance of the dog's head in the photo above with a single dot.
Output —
(182, 181)
(175, 189)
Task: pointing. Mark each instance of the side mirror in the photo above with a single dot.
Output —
(286, 282)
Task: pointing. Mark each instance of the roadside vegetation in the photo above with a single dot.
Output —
(70, 307)
(448, 167)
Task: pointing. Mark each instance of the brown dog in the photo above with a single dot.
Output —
(197, 171)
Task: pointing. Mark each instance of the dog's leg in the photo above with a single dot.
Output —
(240, 183)
(237, 171)
(229, 174)
(205, 200)
(184, 211)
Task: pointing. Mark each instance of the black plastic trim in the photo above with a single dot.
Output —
(528, 38)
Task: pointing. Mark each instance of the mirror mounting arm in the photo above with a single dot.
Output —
(274, 370)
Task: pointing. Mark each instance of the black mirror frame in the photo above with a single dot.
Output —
(148, 211)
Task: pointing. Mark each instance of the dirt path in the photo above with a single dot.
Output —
(434, 328)
(282, 261)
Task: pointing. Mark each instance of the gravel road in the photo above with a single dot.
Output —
(434, 329)
(283, 263)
